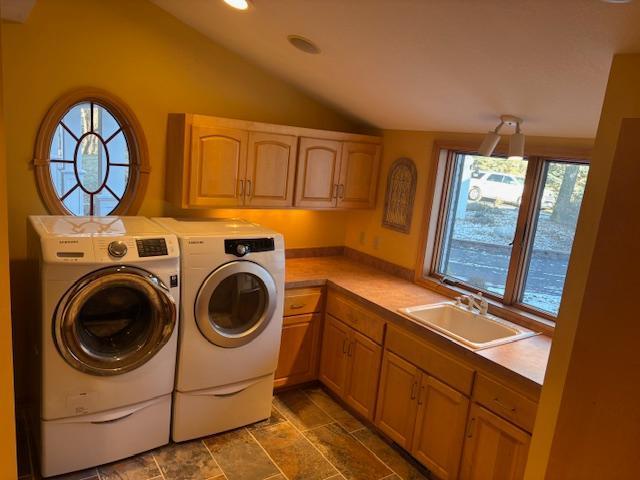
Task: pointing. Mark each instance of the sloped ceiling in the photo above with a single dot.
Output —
(436, 65)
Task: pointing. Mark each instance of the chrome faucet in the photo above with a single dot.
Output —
(474, 301)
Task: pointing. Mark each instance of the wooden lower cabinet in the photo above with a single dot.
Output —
(299, 346)
(440, 427)
(362, 383)
(334, 361)
(422, 415)
(397, 408)
(350, 366)
(494, 448)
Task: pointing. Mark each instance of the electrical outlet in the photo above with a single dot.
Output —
(363, 238)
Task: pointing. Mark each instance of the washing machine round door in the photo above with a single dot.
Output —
(114, 320)
(235, 303)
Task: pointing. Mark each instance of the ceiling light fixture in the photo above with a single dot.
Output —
(303, 44)
(516, 142)
(237, 4)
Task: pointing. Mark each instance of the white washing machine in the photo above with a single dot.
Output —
(231, 323)
(108, 294)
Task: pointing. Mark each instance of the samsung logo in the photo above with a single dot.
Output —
(196, 242)
(62, 242)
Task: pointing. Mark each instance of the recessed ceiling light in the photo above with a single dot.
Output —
(238, 4)
(303, 44)
(617, 1)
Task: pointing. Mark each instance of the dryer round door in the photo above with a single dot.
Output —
(114, 320)
(235, 303)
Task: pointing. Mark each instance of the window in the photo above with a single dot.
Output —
(91, 158)
(505, 227)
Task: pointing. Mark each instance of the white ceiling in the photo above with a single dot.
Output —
(436, 65)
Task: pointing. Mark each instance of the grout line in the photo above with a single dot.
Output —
(274, 476)
(393, 472)
(309, 441)
(267, 454)
(224, 474)
(155, 460)
(320, 426)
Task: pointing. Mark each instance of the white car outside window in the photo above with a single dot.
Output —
(496, 186)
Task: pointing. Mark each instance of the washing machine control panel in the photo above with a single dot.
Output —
(242, 246)
(151, 247)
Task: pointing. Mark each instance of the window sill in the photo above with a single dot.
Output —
(508, 312)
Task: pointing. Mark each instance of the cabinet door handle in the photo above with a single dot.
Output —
(296, 306)
(335, 190)
(413, 390)
(248, 188)
(341, 191)
(240, 188)
(350, 350)
(344, 345)
(420, 400)
(504, 405)
(470, 430)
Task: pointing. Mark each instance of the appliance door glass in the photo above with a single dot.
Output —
(235, 303)
(114, 320)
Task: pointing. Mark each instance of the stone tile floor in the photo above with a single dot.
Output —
(308, 437)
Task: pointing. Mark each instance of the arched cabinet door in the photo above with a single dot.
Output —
(358, 180)
(218, 164)
(318, 173)
(271, 169)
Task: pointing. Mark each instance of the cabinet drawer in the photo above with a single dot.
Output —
(357, 317)
(505, 402)
(300, 301)
(432, 361)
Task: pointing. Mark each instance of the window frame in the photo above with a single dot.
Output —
(139, 168)
(437, 200)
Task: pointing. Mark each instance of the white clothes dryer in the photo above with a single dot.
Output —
(109, 300)
(231, 324)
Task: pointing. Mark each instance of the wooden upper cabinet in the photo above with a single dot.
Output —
(271, 168)
(397, 406)
(217, 166)
(364, 370)
(494, 448)
(358, 180)
(222, 162)
(318, 173)
(440, 427)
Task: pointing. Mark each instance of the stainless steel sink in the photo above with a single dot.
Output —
(470, 328)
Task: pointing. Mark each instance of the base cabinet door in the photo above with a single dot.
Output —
(397, 406)
(440, 427)
(334, 360)
(298, 360)
(364, 367)
(494, 448)
(217, 167)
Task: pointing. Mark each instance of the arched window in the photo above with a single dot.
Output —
(90, 156)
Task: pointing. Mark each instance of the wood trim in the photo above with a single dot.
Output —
(132, 129)
(210, 121)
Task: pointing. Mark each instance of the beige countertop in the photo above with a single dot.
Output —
(526, 359)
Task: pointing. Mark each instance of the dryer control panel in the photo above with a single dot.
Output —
(242, 246)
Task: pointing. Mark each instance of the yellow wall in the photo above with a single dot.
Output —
(604, 358)
(157, 65)
(400, 248)
(7, 425)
